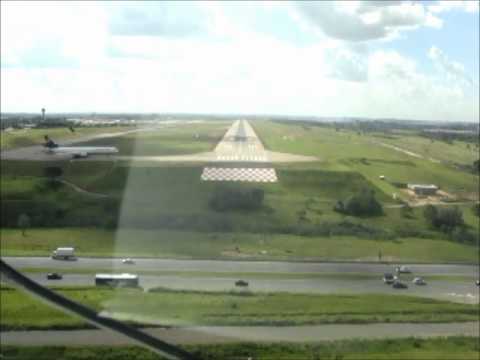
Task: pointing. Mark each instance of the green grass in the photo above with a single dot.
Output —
(449, 348)
(173, 197)
(342, 151)
(459, 152)
(24, 137)
(171, 140)
(149, 193)
(239, 308)
(440, 348)
(281, 309)
(183, 244)
(21, 311)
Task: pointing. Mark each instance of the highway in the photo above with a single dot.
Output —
(317, 278)
(154, 264)
(228, 334)
(462, 291)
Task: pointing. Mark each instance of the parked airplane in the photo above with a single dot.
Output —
(77, 151)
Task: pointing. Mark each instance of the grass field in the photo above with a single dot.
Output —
(168, 140)
(166, 198)
(343, 150)
(27, 137)
(183, 244)
(169, 307)
(450, 348)
(280, 309)
(458, 152)
(148, 192)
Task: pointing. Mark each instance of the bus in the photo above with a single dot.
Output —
(121, 280)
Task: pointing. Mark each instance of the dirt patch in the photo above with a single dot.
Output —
(441, 197)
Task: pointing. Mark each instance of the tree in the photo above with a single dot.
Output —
(362, 204)
(23, 223)
(449, 218)
(445, 219)
(52, 173)
(225, 198)
(476, 209)
(406, 211)
(430, 213)
(476, 166)
(462, 235)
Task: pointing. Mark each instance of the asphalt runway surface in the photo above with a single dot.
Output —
(252, 151)
(240, 143)
(38, 153)
(229, 334)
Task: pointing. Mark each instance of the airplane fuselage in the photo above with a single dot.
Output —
(83, 151)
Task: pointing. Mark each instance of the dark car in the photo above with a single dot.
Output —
(399, 285)
(388, 278)
(241, 283)
(54, 276)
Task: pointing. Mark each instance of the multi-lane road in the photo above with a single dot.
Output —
(228, 334)
(265, 276)
(152, 264)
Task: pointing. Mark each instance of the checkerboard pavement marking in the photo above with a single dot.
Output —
(239, 174)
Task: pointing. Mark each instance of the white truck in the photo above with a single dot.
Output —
(64, 253)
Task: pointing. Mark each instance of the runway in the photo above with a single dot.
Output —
(240, 156)
(227, 151)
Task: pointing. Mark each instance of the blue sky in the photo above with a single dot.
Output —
(400, 59)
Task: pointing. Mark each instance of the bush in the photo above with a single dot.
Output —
(406, 211)
(23, 222)
(444, 219)
(361, 204)
(476, 209)
(462, 235)
(224, 199)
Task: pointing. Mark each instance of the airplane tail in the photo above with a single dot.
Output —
(49, 143)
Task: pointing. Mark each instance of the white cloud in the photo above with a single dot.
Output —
(367, 20)
(452, 70)
(469, 6)
(398, 88)
(228, 68)
(51, 34)
(153, 18)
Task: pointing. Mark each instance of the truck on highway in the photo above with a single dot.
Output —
(64, 253)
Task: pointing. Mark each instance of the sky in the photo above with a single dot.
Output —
(378, 59)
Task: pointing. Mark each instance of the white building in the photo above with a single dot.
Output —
(423, 189)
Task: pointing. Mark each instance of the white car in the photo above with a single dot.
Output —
(403, 269)
(128, 261)
(419, 281)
